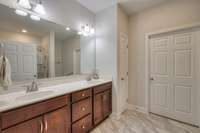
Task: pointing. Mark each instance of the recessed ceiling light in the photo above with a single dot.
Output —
(67, 28)
(80, 33)
(24, 31)
(34, 17)
(21, 13)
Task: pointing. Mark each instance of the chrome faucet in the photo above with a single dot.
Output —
(33, 87)
(94, 75)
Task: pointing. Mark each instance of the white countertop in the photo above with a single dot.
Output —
(18, 99)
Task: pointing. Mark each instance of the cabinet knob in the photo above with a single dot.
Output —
(83, 108)
(83, 127)
(83, 94)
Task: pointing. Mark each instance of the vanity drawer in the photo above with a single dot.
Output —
(81, 109)
(83, 126)
(81, 95)
(16, 116)
(102, 88)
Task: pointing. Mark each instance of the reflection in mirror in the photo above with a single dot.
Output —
(67, 54)
(43, 49)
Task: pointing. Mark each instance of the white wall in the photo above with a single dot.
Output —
(59, 57)
(69, 46)
(106, 47)
(167, 15)
(87, 45)
(66, 12)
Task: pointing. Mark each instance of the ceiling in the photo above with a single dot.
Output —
(10, 22)
(130, 6)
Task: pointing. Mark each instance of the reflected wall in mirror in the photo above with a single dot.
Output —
(43, 49)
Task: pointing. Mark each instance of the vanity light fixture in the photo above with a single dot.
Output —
(24, 31)
(39, 8)
(24, 4)
(20, 12)
(34, 17)
(86, 30)
(68, 28)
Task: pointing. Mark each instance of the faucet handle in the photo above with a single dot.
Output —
(28, 88)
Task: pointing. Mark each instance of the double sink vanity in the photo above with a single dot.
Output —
(75, 107)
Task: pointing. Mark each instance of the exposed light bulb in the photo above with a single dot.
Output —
(34, 17)
(92, 31)
(87, 28)
(21, 13)
(39, 9)
(80, 33)
(24, 4)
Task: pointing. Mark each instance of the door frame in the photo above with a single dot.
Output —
(147, 62)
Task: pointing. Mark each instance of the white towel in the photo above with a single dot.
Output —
(5, 72)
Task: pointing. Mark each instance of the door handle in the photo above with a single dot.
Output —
(41, 127)
(46, 125)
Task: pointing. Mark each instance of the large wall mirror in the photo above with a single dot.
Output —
(43, 49)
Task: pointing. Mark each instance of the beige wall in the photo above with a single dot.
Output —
(168, 15)
(19, 37)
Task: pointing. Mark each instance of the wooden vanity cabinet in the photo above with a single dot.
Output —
(78, 112)
(57, 121)
(102, 103)
(50, 116)
(31, 126)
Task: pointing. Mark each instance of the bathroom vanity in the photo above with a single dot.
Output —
(73, 112)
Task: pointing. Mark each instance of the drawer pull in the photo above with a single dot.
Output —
(83, 108)
(83, 94)
(83, 127)
(46, 125)
(41, 127)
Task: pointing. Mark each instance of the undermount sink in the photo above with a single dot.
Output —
(34, 95)
(95, 81)
(3, 103)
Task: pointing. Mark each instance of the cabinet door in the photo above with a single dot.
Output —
(98, 108)
(107, 107)
(57, 121)
(31, 126)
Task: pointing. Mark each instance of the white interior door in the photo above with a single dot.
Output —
(23, 60)
(172, 74)
(123, 67)
(77, 62)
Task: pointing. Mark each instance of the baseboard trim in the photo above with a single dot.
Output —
(115, 116)
(137, 108)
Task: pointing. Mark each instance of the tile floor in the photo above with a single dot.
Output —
(135, 122)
